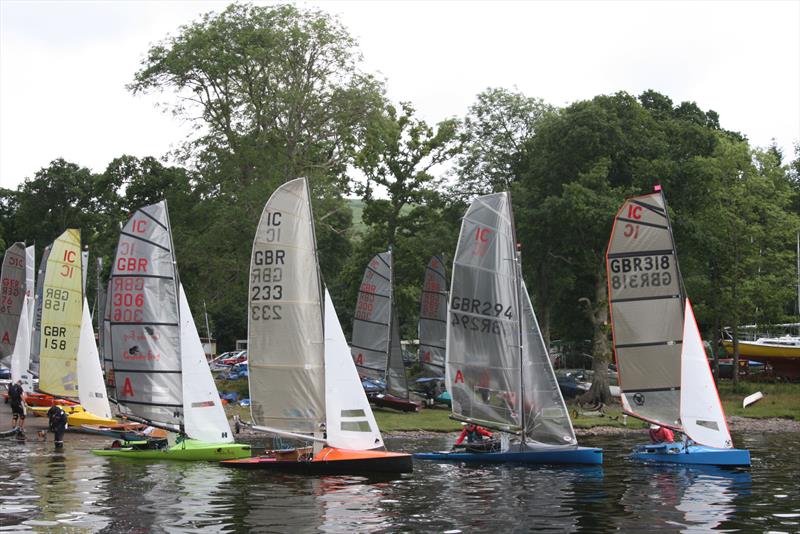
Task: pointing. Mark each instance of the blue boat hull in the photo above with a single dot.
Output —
(544, 455)
(679, 453)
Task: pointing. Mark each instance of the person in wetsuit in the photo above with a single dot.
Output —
(473, 434)
(58, 424)
(15, 398)
(660, 434)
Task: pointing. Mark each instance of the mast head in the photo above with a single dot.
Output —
(657, 187)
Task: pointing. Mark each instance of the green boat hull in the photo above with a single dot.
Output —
(187, 450)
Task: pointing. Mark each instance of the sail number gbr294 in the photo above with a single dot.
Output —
(478, 315)
(266, 274)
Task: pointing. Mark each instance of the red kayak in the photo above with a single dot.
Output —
(42, 400)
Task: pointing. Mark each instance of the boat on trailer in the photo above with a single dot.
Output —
(159, 366)
(375, 343)
(664, 375)
(303, 382)
(497, 368)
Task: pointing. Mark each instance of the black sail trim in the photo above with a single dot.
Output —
(370, 322)
(641, 253)
(652, 225)
(639, 299)
(655, 209)
(153, 243)
(649, 344)
(162, 225)
(651, 390)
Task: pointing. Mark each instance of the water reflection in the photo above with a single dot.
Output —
(76, 491)
(687, 498)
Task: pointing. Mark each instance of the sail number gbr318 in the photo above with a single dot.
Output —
(640, 271)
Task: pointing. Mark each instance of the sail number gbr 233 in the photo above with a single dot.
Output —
(266, 274)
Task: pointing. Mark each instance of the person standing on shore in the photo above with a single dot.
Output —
(58, 424)
(17, 401)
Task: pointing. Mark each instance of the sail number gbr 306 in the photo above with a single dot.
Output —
(478, 315)
(266, 274)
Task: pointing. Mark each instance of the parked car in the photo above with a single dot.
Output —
(237, 357)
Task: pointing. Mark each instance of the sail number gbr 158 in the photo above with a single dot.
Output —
(472, 309)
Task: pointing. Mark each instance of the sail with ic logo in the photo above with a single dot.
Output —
(664, 374)
(432, 327)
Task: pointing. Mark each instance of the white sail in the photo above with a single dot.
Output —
(350, 422)
(285, 338)
(30, 283)
(701, 411)
(20, 358)
(203, 415)
(91, 389)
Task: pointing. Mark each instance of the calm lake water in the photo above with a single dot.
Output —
(79, 492)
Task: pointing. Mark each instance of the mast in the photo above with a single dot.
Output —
(386, 374)
(518, 297)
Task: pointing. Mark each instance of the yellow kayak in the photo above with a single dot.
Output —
(76, 416)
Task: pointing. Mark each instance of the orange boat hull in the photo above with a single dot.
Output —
(42, 400)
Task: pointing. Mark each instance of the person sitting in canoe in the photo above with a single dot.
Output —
(473, 433)
(660, 434)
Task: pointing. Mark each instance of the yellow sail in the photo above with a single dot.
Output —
(62, 302)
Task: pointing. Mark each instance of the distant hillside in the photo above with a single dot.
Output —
(357, 205)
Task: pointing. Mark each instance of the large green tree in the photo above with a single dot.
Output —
(275, 92)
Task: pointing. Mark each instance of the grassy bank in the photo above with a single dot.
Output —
(780, 401)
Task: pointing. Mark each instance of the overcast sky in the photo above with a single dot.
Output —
(64, 65)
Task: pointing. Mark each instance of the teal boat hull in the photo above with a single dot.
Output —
(680, 453)
(528, 455)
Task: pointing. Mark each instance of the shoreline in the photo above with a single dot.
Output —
(735, 424)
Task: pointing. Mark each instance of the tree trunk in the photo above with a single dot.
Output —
(601, 352)
(736, 354)
(715, 344)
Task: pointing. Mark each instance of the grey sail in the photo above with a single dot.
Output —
(11, 298)
(105, 338)
(483, 331)
(433, 318)
(546, 418)
(286, 342)
(373, 318)
(646, 302)
(144, 326)
(396, 381)
(36, 336)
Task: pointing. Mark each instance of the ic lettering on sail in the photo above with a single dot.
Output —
(481, 244)
(68, 270)
(139, 226)
(273, 234)
(631, 230)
